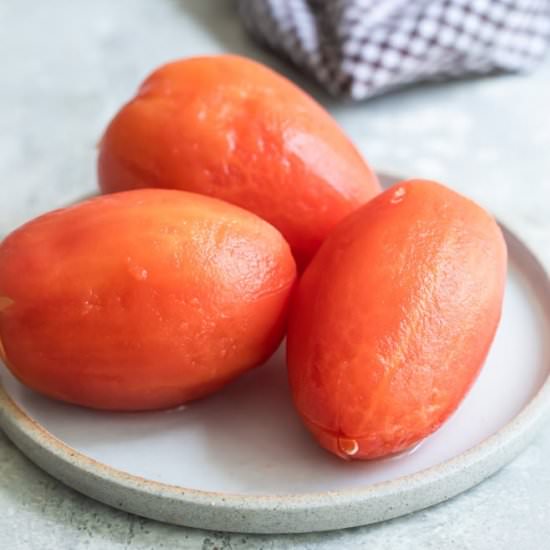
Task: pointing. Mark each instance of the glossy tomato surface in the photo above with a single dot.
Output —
(231, 128)
(393, 319)
(141, 300)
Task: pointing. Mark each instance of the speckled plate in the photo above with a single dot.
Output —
(241, 460)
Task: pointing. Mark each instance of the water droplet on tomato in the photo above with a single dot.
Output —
(348, 446)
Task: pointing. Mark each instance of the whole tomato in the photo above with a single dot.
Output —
(231, 128)
(393, 319)
(141, 300)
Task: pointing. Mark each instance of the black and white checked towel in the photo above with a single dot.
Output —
(361, 48)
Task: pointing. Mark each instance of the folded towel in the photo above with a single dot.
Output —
(361, 48)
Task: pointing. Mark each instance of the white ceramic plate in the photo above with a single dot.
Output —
(241, 460)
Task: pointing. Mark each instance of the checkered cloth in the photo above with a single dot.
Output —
(361, 48)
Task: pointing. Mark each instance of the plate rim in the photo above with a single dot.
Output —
(285, 513)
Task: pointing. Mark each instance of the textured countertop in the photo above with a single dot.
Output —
(67, 66)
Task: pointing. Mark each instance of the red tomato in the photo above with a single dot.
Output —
(231, 128)
(141, 300)
(393, 319)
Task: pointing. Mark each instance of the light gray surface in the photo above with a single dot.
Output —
(66, 67)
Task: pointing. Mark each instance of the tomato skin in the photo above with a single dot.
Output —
(393, 319)
(141, 300)
(231, 128)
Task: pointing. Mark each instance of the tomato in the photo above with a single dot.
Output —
(231, 128)
(393, 319)
(141, 300)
